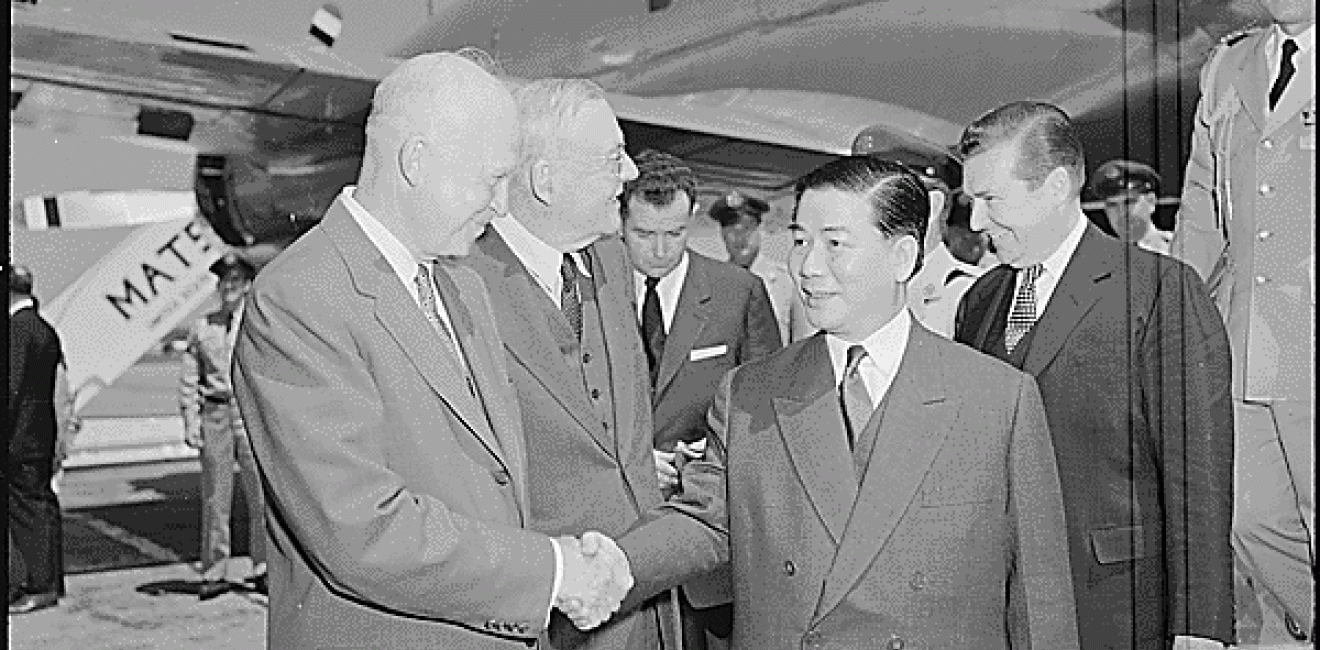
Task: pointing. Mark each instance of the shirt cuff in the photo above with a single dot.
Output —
(559, 578)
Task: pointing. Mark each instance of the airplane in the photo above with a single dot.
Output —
(750, 93)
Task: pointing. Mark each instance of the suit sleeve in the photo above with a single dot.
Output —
(316, 424)
(761, 326)
(1198, 236)
(688, 535)
(1042, 611)
(190, 401)
(1186, 383)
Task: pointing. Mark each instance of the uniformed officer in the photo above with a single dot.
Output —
(1131, 191)
(214, 426)
(1247, 224)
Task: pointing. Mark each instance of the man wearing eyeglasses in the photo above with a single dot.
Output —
(562, 291)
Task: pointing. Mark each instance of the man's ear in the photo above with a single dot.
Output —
(410, 160)
(542, 181)
(906, 252)
(938, 198)
(1059, 183)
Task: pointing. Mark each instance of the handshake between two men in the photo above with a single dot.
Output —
(595, 580)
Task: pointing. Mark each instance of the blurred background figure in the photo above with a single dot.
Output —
(740, 217)
(36, 562)
(1130, 191)
(213, 425)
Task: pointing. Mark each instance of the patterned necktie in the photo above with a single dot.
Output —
(570, 301)
(1286, 71)
(854, 397)
(1023, 314)
(426, 294)
(653, 328)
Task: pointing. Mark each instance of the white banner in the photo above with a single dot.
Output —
(82, 209)
(130, 299)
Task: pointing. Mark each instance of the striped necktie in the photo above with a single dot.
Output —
(1023, 313)
(570, 301)
(854, 397)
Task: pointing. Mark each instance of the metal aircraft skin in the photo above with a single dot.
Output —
(751, 92)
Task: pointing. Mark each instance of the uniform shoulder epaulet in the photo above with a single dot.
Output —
(1233, 38)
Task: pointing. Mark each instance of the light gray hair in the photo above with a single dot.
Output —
(545, 106)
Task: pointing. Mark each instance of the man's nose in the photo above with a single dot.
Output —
(978, 220)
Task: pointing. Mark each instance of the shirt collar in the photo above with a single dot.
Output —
(675, 275)
(1058, 260)
(395, 253)
(884, 347)
(1305, 41)
(541, 259)
(21, 304)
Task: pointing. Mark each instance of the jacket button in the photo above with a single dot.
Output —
(811, 640)
(1265, 188)
(586, 357)
(1267, 143)
(896, 643)
(918, 581)
(789, 568)
(595, 393)
(501, 476)
(1263, 235)
(1260, 279)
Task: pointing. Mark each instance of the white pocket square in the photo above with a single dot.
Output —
(706, 353)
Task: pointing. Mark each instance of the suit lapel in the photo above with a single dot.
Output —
(999, 289)
(404, 321)
(811, 425)
(1075, 295)
(530, 340)
(1253, 83)
(689, 319)
(912, 430)
(615, 300)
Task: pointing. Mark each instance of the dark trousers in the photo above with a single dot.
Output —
(705, 629)
(35, 530)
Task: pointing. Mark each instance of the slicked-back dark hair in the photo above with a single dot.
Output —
(898, 199)
(660, 177)
(1045, 137)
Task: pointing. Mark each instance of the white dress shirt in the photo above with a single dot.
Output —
(884, 351)
(1054, 265)
(405, 267)
(669, 288)
(541, 259)
(1303, 59)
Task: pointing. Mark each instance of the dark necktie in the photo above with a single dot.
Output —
(653, 328)
(1023, 313)
(854, 397)
(1286, 71)
(570, 301)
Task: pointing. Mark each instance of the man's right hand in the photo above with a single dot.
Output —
(665, 470)
(596, 578)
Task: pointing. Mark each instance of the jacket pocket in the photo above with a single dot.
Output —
(1120, 544)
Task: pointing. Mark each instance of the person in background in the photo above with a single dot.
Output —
(699, 319)
(213, 425)
(1130, 191)
(36, 561)
(1246, 223)
(1133, 366)
(739, 217)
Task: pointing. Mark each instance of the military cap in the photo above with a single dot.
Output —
(20, 279)
(1122, 177)
(229, 262)
(728, 208)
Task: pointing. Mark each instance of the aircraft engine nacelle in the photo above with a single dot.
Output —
(248, 201)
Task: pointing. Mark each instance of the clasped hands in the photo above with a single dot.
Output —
(596, 578)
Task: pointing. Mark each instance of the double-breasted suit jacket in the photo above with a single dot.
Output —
(396, 491)
(589, 462)
(952, 536)
(1133, 367)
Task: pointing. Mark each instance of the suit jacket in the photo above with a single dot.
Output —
(723, 319)
(1247, 217)
(953, 537)
(34, 355)
(582, 474)
(1133, 365)
(396, 504)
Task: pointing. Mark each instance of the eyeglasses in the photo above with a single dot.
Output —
(615, 159)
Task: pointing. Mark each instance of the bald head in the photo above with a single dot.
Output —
(441, 137)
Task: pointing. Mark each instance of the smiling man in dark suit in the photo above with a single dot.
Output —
(1133, 366)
